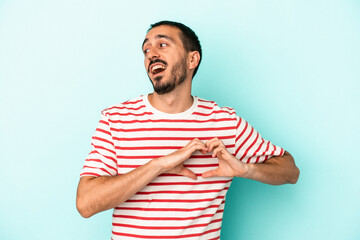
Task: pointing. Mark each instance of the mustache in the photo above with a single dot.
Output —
(155, 61)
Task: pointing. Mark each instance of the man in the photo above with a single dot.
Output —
(165, 161)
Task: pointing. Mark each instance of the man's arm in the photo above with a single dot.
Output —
(96, 194)
(275, 171)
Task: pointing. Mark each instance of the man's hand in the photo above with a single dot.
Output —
(275, 171)
(174, 162)
(229, 166)
(96, 194)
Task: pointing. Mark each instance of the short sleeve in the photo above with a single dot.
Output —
(101, 161)
(250, 147)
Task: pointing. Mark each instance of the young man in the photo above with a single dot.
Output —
(164, 161)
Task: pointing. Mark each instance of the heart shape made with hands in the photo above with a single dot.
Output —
(228, 165)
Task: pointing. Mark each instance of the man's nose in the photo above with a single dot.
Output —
(153, 53)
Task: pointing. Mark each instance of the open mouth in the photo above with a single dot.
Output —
(157, 68)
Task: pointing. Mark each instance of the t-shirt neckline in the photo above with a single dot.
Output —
(157, 112)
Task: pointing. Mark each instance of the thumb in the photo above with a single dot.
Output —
(211, 173)
(188, 173)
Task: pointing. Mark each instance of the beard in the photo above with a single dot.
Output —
(177, 76)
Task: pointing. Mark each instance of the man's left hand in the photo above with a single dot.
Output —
(229, 166)
(276, 170)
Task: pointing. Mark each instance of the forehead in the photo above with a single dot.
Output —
(163, 31)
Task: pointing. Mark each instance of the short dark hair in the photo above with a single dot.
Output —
(188, 37)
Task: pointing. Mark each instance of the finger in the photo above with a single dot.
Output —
(188, 173)
(215, 145)
(195, 141)
(218, 152)
(209, 142)
(211, 173)
(200, 147)
(204, 151)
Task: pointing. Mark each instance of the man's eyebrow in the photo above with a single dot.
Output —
(145, 40)
(164, 36)
(159, 36)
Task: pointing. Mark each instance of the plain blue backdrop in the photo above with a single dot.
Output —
(290, 68)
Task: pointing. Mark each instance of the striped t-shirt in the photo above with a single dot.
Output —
(171, 207)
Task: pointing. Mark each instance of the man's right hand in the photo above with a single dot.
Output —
(174, 162)
(96, 194)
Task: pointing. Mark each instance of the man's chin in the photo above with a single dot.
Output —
(163, 88)
(158, 78)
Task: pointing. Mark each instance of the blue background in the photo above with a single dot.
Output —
(290, 68)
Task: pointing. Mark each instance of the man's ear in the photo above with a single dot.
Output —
(194, 59)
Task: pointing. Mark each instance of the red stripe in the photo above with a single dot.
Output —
(183, 192)
(170, 138)
(267, 148)
(247, 138)
(172, 120)
(169, 209)
(242, 132)
(201, 156)
(108, 157)
(187, 183)
(206, 107)
(103, 131)
(165, 227)
(104, 122)
(102, 169)
(149, 148)
(127, 108)
(97, 160)
(201, 165)
(258, 149)
(206, 101)
(230, 146)
(103, 140)
(281, 151)
(130, 114)
(216, 238)
(176, 200)
(272, 153)
(266, 158)
(90, 173)
(238, 124)
(251, 145)
(159, 147)
(134, 102)
(185, 165)
(176, 175)
(166, 237)
(128, 166)
(167, 218)
(157, 156)
(208, 114)
(171, 129)
(104, 148)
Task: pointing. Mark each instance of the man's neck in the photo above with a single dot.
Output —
(173, 102)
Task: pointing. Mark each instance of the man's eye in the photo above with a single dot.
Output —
(163, 44)
(146, 50)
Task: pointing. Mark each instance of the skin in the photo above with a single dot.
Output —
(96, 194)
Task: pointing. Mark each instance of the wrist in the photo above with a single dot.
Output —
(157, 164)
(245, 170)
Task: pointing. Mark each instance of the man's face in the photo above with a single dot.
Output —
(165, 58)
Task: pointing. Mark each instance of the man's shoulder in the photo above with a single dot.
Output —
(212, 106)
(132, 105)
